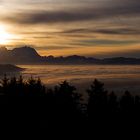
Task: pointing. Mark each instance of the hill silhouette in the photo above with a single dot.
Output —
(28, 55)
(6, 68)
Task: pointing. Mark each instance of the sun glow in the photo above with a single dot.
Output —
(4, 35)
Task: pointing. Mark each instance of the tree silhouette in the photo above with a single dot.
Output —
(30, 102)
(21, 86)
(127, 103)
(67, 103)
(137, 104)
(4, 84)
(35, 87)
(13, 87)
(113, 103)
(97, 102)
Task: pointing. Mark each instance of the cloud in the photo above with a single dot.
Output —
(73, 14)
(121, 31)
(62, 24)
(107, 42)
(129, 54)
(54, 47)
(108, 31)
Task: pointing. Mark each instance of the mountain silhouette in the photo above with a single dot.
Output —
(28, 55)
(23, 55)
(27, 51)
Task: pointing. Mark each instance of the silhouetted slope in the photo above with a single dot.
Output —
(4, 68)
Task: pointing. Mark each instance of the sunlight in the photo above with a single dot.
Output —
(4, 35)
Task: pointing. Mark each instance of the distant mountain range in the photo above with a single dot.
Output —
(28, 55)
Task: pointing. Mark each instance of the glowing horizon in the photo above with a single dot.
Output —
(4, 35)
(62, 27)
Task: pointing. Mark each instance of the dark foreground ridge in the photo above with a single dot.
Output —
(30, 104)
(5, 68)
(28, 55)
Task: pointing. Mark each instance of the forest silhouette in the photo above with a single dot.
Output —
(31, 104)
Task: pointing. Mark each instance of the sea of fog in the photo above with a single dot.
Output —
(116, 77)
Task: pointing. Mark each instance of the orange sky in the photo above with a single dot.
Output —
(62, 27)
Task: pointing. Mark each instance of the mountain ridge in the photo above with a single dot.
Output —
(28, 55)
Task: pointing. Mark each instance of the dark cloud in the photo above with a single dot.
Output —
(72, 15)
(122, 31)
(80, 30)
(84, 32)
(38, 17)
(109, 31)
(54, 47)
(108, 42)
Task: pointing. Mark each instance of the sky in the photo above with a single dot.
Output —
(98, 28)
